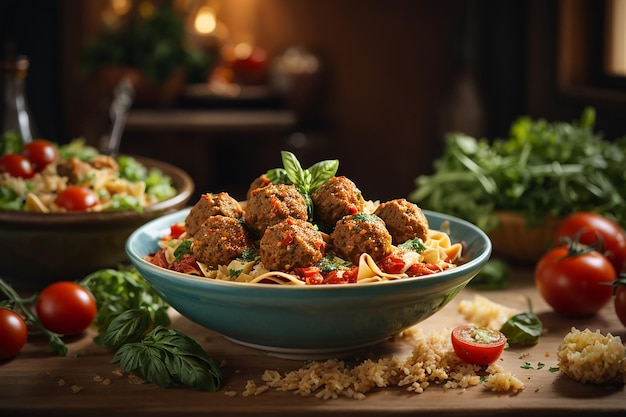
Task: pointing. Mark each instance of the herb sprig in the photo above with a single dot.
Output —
(306, 180)
(541, 169)
(132, 320)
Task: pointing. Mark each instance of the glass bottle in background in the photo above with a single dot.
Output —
(16, 117)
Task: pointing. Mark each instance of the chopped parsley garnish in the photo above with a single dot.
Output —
(330, 263)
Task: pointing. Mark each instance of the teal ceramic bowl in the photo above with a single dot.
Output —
(309, 322)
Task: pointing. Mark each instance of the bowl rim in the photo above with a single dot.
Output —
(441, 278)
(17, 218)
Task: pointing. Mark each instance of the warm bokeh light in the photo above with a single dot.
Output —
(205, 21)
(120, 7)
(242, 50)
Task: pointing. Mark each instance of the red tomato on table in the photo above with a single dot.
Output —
(13, 333)
(575, 284)
(594, 229)
(66, 308)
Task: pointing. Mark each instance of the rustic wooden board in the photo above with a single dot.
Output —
(39, 384)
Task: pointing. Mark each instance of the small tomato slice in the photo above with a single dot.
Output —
(66, 308)
(477, 345)
(76, 198)
(13, 333)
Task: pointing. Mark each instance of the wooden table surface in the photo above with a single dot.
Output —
(39, 384)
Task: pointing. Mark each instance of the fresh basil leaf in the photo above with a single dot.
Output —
(522, 329)
(127, 327)
(168, 358)
(182, 249)
(321, 172)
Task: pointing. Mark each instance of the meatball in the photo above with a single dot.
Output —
(259, 182)
(220, 240)
(292, 243)
(361, 233)
(272, 204)
(404, 220)
(210, 205)
(336, 198)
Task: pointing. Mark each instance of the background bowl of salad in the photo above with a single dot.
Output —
(66, 240)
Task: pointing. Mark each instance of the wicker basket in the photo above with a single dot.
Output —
(514, 241)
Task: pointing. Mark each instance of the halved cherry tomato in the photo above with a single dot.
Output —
(477, 345)
(13, 333)
(76, 198)
(574, 282)
(17, 166)
(40, 153)
(66, 308)
(594, 229)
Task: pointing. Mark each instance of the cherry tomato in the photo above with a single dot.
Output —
(66, 308)
(620, 303)
(13, 333)
(40, 153)
(477, 345)
(76, 198)
(590, 226)
(574, 283)
(17, 165)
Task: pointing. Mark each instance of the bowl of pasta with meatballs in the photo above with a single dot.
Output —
(68, 214)
(306, 267)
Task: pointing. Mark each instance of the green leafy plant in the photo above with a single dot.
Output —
(523, 328)
(543, 168)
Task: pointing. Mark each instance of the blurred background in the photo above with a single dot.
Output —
(222, 86)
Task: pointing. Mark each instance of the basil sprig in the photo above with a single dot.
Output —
(306, 180)
(168, 358)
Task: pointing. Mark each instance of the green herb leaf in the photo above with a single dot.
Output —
(169, 358)
(415, 245)
(182, 249)
(523, 329)
(128, 327)
(119, 290)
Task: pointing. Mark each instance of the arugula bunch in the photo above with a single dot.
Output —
(306, 180)
(541, 169)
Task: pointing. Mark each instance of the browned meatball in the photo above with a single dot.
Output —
(361, 233)
(404, 220)
(210, 205)
(336, 198)
(220, 240)
(272, 204)
(259, 182)
(292, 243)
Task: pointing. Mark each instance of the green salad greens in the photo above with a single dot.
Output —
(543, 168)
